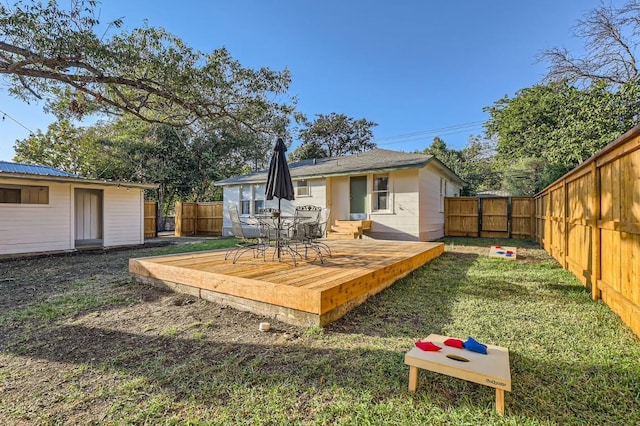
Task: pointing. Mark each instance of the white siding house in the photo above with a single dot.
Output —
(47, 210)
(401, 193)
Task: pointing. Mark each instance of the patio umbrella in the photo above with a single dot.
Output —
(279, 181)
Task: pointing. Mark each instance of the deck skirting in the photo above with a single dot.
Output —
(309, 294)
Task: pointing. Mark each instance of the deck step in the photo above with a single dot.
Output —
(336, 235)
(348, 229)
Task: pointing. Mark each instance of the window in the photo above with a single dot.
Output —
(380, 192)
(258, 198)
(443, 192)
(245, 199)
(24, 194)
(302, 188)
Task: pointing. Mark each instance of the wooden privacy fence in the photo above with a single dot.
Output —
(488, 217)
(589, 220)
(198, 219)
(150, 219)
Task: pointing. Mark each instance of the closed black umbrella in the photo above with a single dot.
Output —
(279, 182)
(279, 179)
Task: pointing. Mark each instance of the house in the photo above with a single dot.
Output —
(402, 194)
(43, 209)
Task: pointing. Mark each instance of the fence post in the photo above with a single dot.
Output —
(178, 227)
(595, 234)
(446, 216)
(479, 216)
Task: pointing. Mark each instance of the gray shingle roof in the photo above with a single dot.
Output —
(30, 169)
(376, 160)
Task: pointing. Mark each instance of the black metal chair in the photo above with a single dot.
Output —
(318, 232)
(305, 229)
(254, 237)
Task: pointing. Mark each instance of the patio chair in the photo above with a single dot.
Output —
(304, 230)
(254, 237)
(318, 232)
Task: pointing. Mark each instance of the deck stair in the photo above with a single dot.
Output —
(348, 229)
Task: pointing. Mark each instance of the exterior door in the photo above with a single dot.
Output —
(357, 197)
(88, 216)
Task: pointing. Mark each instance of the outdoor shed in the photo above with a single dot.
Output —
(400, 194)
(43, 209)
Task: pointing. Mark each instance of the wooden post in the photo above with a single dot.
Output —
(565, 224)
(596, 246)
(500, 401)
(479, 217)
(509, 218)
(446, 217)
(178, 230)
(533, 224)
(413, 378)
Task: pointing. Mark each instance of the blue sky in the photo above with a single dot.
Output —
(419, 69)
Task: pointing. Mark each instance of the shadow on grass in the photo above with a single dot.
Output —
(226, 373)
(414, 306)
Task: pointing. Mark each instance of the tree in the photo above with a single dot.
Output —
(54, 54)
(478, 166)
(561, 124)
(334, 135)
(63, 146)
(448, 156)
(610, 34)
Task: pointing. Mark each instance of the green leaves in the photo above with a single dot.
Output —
(51, 53)
(560, 125)
(334, 135)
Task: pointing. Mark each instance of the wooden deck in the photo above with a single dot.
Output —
(308, 294)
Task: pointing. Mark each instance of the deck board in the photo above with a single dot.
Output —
(310, 293)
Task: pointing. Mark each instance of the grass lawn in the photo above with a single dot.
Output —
(98, 348)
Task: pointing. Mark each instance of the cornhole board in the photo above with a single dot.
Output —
(490, 370)
(503, 252)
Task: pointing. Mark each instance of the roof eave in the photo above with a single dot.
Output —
(24, 176)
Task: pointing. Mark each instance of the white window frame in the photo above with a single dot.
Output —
(258, 196)
(306, 187)
(443, 192)
(245, 200)
(375, 192)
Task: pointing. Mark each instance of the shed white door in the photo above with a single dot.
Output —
(88, 215)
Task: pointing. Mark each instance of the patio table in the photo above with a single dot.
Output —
(279, 224)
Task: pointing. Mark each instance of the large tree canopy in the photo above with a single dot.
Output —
(334, 135)
(560, 124)
(67, 58)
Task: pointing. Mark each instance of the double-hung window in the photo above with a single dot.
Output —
(380, 192)
(302, 188)
(245, 199)
(258, 198)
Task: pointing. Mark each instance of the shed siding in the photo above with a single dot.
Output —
(26, 228)
(35, 228)
(123, 210)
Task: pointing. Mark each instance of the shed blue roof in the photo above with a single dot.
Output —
(31, 169)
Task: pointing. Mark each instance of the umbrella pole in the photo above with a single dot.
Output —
(278, 235)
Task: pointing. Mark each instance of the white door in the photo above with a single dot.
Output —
(88, 214)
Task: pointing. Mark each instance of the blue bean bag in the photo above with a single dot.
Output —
(475, 346)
